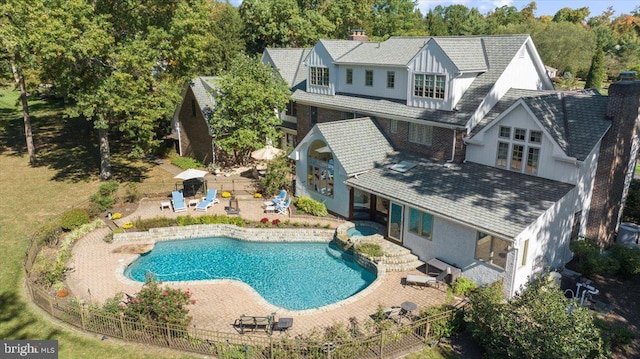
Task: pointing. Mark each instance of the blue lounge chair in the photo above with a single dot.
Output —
(282, 207)
(208, 201)
(177, 200)
(275, 200)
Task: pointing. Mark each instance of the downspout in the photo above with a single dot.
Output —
(453, 148)
(179, 139)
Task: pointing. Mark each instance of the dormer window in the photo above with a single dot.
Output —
(319, 76)
(429, 85)
(522, 153)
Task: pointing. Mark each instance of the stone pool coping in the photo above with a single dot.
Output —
(273, 235)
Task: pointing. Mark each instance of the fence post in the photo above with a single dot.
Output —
(427, 329)
(82, 317)
(381, 344)
(122, 326)
(270, 347)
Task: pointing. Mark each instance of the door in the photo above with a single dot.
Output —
(395, 222)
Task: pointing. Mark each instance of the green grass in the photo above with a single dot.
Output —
(30, 195)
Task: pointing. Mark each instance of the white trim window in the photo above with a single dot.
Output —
(520, 153)
(349, 76)
(319, 76)
(420, 134)
(421, 223)
(429, 85)
(491, 249)
(391, 79)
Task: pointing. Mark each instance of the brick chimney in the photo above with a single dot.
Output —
(358, 35)
(618, 153)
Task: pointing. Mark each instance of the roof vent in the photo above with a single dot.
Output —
(403, 166)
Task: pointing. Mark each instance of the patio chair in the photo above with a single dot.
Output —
(282, 208)
(278, 199)
(208, 201)
(394, 313)
(177, 200)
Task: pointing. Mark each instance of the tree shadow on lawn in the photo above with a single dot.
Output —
(18, 323)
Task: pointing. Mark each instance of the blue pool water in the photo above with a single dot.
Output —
(294, 276)
(362, 231)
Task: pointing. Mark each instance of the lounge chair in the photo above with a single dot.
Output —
(254, 322)
(208, 201)
(278, 199)
(280, 208)
(177, 200)
(424, 280)
(394, 313)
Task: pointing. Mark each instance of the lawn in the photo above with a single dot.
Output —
(64, 177)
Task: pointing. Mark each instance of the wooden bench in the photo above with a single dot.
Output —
(254, 322)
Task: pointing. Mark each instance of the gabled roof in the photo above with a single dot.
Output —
(337, 48)
(490, 199)
(497, 52)
(467, 53)
(290, 64)
(575, 119)
(203, 88)
(357, 144)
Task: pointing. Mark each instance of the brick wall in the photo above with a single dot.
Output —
(613, 162)
(194, 131)
(440, 148)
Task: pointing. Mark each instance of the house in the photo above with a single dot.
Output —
(463, 149)
(288, 63)
(552, 72)
(190, 124)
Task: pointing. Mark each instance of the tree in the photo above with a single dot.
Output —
(279, 173)
(227, 28)
(395, 17)
(244, 117)
(18, 19)
(121, 64)
(577, 16)
(596, 72)
(540, 323)
(435, 23)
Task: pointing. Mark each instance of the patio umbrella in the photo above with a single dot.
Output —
(191, 173)
(266, 153)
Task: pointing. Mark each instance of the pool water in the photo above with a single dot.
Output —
(361, 231)
(294, 276)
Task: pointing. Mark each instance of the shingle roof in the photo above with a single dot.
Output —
(482, 197)
(467, 53)
(289, 62)
(396, 51)
(575, 119)
(203, 89)
(357, 144)
(337, 48)
(498, 50)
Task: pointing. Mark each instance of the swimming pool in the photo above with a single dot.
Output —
(294, 276)
(361, 231)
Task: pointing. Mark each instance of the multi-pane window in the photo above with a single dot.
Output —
(420, 134)
(431, 86)
(516, 155)
(391, 79)
(533, 157)
(503, 154)
(535, 137)
(368, 78)
(393, 127)
(491, 249)
(517, 152)
(505, 132)
(319, 76)
(420, 223)
(349, 76)
(292, 109)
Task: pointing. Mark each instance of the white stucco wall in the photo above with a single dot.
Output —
(379, 88)
(319, 57)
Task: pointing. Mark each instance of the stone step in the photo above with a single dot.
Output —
(404, 266)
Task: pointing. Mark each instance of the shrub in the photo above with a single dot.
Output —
(257, 195)
(444, 326)
(156, 222)
(74, 218)
(370, 249)
(185, 220)
(127, 225)
(132, 193)
(161, 305)
(116, 215)
(275, 222)
(463, 286)
(49, 232)
(108, 188)
(185, 162)
(226, 194)
(108, 238)
(590, 261)
(311, 206)
(627, 258)
(264, 220)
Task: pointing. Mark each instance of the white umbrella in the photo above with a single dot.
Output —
(191, 173)
(267, 153)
